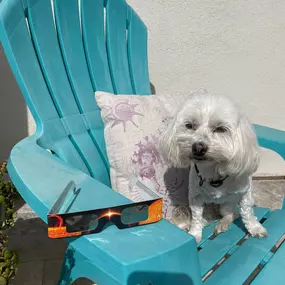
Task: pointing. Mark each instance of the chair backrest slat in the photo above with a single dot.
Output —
(116, 33)
(67, 104)
(70, 38)
(61, 57)
(56, 138)
(49, 55)
(16, 40)
(93, 31)
(22, 58)
(137, 53)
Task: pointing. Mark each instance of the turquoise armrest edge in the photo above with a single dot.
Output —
(271, 138)
(40, 177)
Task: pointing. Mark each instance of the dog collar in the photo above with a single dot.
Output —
(214, 183)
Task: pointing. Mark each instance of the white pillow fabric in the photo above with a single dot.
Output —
(132, 127)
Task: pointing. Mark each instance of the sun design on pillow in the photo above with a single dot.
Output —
(122, 112)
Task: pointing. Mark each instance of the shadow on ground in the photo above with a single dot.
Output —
(13, 110)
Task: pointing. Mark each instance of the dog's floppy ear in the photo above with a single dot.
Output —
(245, 159)
(168, 145)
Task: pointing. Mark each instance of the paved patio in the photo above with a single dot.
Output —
(41, 257)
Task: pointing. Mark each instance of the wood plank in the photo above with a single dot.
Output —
(216, 249)
(248, 256)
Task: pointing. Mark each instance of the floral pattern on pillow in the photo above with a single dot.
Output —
(146, 159)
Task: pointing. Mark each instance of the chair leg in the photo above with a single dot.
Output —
(76, 266)
(67, 271)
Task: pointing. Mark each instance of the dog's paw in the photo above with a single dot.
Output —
(181, 217)
(197, 235)
(184, 226)
(221, 227)
(258, 231)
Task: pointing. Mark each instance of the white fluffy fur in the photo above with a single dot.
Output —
(232, 150)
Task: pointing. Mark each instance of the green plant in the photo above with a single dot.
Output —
(8, 259)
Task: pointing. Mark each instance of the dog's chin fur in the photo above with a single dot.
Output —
(232, 148)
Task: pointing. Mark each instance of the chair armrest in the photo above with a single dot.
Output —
(271, 138)
(40, 178)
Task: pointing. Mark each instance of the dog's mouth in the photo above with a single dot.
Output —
(199, 158)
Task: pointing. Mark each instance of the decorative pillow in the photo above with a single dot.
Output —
(133, 125)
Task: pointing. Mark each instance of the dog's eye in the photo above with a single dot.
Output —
(220, 129)
(189, 126)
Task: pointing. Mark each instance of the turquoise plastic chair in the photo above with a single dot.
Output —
(59, 62)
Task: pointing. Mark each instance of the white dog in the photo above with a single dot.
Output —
(212, 136)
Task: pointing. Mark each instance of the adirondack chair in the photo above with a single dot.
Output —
(59, 59)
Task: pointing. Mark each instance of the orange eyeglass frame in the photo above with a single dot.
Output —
(58, 223)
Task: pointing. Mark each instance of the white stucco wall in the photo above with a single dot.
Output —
(231, 47)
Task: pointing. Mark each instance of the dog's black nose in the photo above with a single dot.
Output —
(199, 148)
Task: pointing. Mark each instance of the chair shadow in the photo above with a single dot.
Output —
(152, 88)
(158, 278)
(240, 224)
(176, 182)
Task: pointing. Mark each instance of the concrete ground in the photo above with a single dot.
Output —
(41, 257)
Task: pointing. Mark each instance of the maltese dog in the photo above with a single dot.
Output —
(215, 139)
